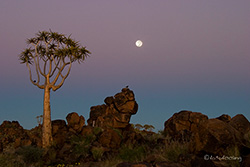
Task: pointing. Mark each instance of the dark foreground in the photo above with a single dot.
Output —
(189, 139)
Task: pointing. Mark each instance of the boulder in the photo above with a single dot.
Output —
(131, 136)
(35, 135)
(64, 152)
(224, 117)
(109, 100)
(240, 123)
(116, 112)
(12, 133)
(182, 124)
(215, 137)
(75, 122)
(87, 130)
(125, 101)
(59, 126)
(208, 136)
(59, 132)
(110, 138)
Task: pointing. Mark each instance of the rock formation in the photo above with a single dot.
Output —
(215, 137)
(110, 139)
(59, 132)
(181, 125)
(116, 112)
(240, 123)
(210, 136)
(75, 122)
(11, 133)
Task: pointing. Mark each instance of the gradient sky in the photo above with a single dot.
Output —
(196, 56)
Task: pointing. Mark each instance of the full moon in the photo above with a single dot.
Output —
(138, 43)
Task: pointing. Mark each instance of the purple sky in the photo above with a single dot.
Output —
(196, 56)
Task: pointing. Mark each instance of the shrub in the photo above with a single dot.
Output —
(173, 149)
(30, 154)
(81, 145)
(97, 153)
(234, 153)
(97, 130)
(11, 160)
(130, 154)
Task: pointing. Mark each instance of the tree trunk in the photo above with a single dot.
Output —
(47, 130)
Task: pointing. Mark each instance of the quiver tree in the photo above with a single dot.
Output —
(49, 59)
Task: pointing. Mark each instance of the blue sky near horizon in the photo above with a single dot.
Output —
(196, 56)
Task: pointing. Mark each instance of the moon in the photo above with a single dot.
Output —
(139, 43)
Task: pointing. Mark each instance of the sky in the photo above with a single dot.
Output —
(195, 56)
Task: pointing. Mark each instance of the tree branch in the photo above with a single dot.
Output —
(55, 87)
(44, 67)
(33, 82)
(50, 67)
(38, 76)
(56, 66)
(38, 65)
(59, 72)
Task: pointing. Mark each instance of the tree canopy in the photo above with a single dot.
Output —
(51, 52)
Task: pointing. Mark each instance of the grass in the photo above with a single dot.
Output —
(97, 153)
(83, 148)
(132, 154)
(234, 153)
(82, 145)
(174, 149)
(30, 154)
(22, 157)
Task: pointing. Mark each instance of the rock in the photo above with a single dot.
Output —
(11, 133)
(87, 130)
(124, 101)
(65, 151)
(35, 135)
(240, 123)
(59, 132)
(75, 121)
(181, 125)
(116, 112)
(59, 126)
(215, 137)
(211, 136)
(109, 100)
(97, 111)
(110, 138)
(224, 117)
(130, 137)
